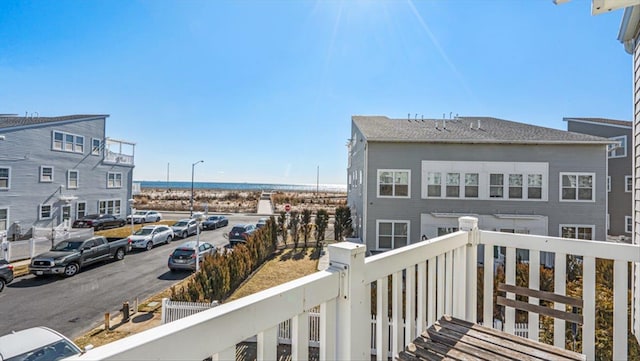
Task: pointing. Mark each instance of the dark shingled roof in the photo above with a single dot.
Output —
(624, 123)
(15, 121)
(465, 130)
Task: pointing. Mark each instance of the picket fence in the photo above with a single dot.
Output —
(175, 310)
(42, 240)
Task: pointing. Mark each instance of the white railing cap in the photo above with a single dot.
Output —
(467, 223)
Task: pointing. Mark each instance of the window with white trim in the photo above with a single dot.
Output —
(434, 184)
(45, 211)
(67, 142)
(577, 231)
(628, 224)
(618, 151)
(496, 185)
(4, 218)
(453, 185)
(534, 186)
(608, 183)
(46, 174)
(393, 183)
(392, 234)
(628, 183)
(96, 144)
(114, 180)
(73, 177)
(110, 206)
(81, 209)
(577, 187)
(515, 186)
(471, 184)
(5, 178)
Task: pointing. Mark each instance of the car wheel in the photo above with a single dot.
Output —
(185, 234)
(169, 239)
(158, 219)
(149, 246)
(122, 224)
(119, 254)
(172, 270)
(71, 269)
(2, 283)
(97, 227)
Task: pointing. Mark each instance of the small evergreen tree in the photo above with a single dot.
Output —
(342, 223)
(322, 221)
(282, 226)
(306, 225)
(294, 226)
(272, 226)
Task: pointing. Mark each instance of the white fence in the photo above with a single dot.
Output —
(175, 310)
(41, 241)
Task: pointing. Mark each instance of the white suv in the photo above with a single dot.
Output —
(148, 236)
(145, 216)
(185, 227)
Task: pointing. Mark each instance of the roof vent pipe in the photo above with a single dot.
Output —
(408, 116)
(444, 124)
(471, 125)
(478, 124)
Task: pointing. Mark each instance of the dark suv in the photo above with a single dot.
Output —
(240, 233)
(6, 273)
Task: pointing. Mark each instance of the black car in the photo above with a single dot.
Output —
(240, 233)
(99, 221)
(6, 273)
(213, 222)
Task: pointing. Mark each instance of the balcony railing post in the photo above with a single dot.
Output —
(353, 306)
(470, 224)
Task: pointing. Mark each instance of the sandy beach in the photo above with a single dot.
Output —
(233, 201)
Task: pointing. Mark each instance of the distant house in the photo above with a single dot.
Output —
(620, 175)
(411, 178)
(60, 168)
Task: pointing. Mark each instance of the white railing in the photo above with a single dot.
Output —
(175, 310)
(118, 152)
(430, 278)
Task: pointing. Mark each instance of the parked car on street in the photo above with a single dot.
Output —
(149, 236)
(184, 256)
(185, 227)
(145, 216)
(99, 221)
(36, 344)
(214, 222)
(6, 275)
(67, 257)
(262, 222)
(240, 233)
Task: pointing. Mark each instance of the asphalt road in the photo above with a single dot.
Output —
(76, 305)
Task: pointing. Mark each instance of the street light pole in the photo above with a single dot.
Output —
(192, 172)
(131, 202)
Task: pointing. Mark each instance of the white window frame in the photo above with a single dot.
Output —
(77, 173)
(608, 183)
(8, 178)
(628, 186)
(116, 176)
(576, 226)
(73, 145)
(42, 168)
(628, 224)
(94, 150)
(612, 149)
(393, 223)
(578, 174)
(452, 176)
(436, 176)
(110, 209)
(4, 222)
(78, 215)
(40, 209)
(393, 185)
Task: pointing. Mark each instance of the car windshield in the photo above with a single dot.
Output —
(143, 231)
(213, 218)
(67, 246)
(180, 224)
(53, 352)
(238, 229)
(183, 253)
(140, 213)
(91, 216)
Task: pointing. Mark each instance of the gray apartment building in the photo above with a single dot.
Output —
(620, 175)
(413, 178)
(54, 169)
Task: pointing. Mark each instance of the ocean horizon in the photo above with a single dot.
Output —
(244, 186)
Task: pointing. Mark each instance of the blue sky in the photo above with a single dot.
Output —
(264, 91)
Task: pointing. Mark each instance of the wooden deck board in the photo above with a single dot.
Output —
(454, 339)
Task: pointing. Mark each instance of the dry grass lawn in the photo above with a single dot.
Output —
(286, 266)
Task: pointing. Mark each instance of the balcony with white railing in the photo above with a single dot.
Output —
(118, 152)
(421, 282)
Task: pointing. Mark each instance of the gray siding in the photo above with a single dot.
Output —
(620, 201)
(561, 158)
(356, 181)
(636, 153)
(26, 149)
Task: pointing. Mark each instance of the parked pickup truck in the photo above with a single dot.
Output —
(67, 257)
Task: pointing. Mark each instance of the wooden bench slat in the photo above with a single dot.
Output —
(542, 310)
(543, 295)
